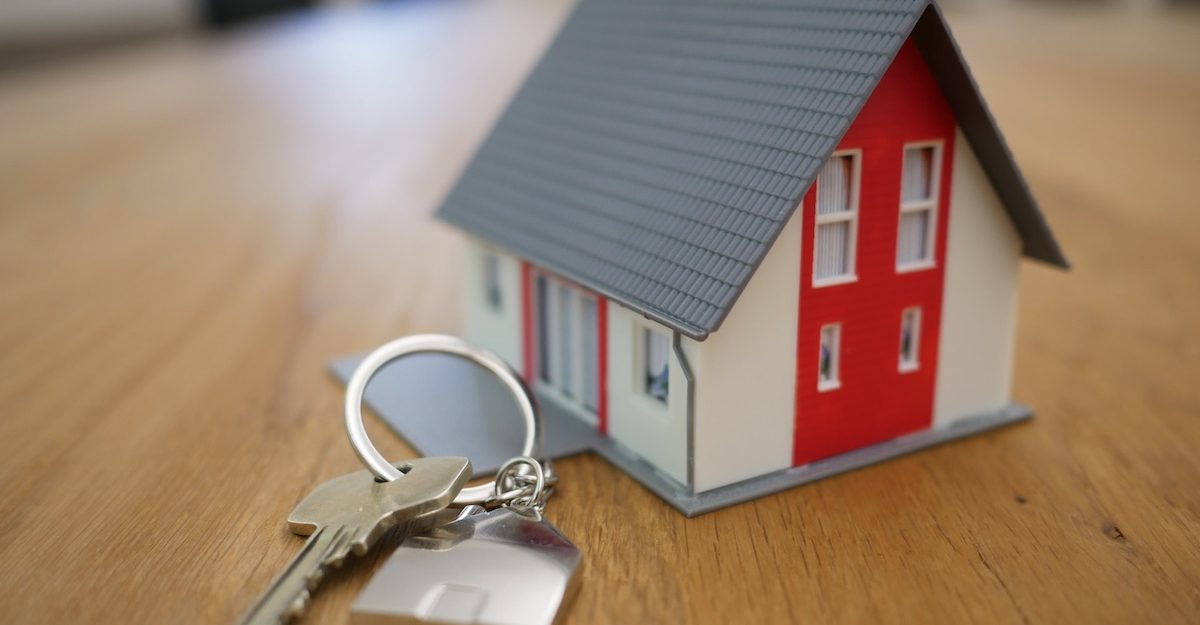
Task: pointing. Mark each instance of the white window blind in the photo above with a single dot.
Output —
(918, 169)
(833, 194)
(837, 211)
(913, 246)
(918, 205)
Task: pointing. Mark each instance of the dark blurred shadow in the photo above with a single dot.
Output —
(1077, 3)
(70, 36)
(226, 13)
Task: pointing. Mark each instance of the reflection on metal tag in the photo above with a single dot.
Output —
(505, 567)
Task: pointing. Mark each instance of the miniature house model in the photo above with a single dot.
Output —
(742, 240)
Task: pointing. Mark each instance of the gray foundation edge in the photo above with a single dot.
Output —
(692, 505)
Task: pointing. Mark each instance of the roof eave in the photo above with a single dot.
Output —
(944, 57)
(689, 330)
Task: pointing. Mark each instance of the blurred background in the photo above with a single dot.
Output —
(202, 202)
(33, 31)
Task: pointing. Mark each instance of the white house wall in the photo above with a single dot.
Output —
(746, 375)
(652, 430)
(497, 330)
(979, 309)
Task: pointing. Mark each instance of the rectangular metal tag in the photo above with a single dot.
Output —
(505, 567)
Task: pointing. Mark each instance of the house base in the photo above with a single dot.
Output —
(437, 404)
(699, 503)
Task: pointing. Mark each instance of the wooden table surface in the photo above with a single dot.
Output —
(190, 229)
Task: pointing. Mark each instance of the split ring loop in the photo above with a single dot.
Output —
(516, 486)
(436, 343)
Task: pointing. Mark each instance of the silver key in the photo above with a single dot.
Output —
(350, 513)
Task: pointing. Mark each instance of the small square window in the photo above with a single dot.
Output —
(491, 280)
(910, 339)
(829, 357)
(656, 363)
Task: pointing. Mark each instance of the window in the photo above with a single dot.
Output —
(656, 363)
(566, 339)
(829, 357)
(541, 288)
(590, 353)
(918, 206)
(910, 338)
(837, 213)
(491, 281)
(567, 353)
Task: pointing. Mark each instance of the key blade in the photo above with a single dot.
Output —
(288, 595)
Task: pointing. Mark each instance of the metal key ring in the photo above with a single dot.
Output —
(436, 343)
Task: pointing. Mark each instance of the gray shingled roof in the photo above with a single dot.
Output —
(659, 147)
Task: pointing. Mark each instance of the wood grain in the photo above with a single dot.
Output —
(189, 230)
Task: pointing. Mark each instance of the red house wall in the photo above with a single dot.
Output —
(876, 401)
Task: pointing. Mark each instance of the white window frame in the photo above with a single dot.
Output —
(835, 352)
(642, 332)
(565, 355)
(930, 204)
(543, 311)
(851, 216)
(906, 364)
(554, 387)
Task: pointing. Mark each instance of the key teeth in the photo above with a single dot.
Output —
(339, 548)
